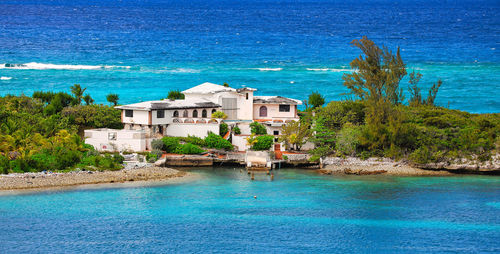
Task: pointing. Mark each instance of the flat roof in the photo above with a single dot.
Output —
(170, 104)
(275, 100)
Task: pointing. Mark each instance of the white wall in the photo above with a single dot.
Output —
(240, 141)
(125, 140)
(166, 120)
(245, 107)
(273, 111)
(193, 129)
(140, 117)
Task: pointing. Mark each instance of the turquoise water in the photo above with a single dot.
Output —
(299, 212)
(142, 49)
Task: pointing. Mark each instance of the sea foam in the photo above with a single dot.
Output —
(5, 78)
(269, 69)
(48, 66)
(330, 69)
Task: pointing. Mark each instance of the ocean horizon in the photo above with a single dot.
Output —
(142, 49)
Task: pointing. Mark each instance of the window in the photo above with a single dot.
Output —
(195, 113)
(204, 113)
(276, 133)
(263, 111)
(129, 113)
(185, 113)
(176, 114)
(284, 108)
(160, 114)
(247, 96)
(213, 111)
(112, 136)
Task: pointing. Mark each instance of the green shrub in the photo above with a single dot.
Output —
(263, 143)
(170, 144)
(157, 144)
(151, 157)
(175, 95)
(258, 129)
(193, 140)
(4, 164)
(348, 139)
(237, 130)
(364, 155)
(219, 115)
(158, 153)
(422, 155)
(189, 149)
(223, 128)
(44, 161)
(216, 141)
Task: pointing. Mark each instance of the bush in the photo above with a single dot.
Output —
(170, 144)
(193, 140)
(175, 95)
(258, 129)
(158, 153)
(4, 164)
(263, 143)
(348, 139)
(237, 130)
(189, 149)
(223, 129)
(216, 141)
(337, 113)
(157, 144)
(151, 157)
(219, 115)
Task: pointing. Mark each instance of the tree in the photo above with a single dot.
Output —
(88, 100)
(377, 74)
(175, 95)
(262, 143)
(295, 133)
(219, 115)
(112, 98)
(258, 129)
(316, 100)
(416, 97)
(225, 84)
(77, 91)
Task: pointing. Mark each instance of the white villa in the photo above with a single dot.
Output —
(192, 116)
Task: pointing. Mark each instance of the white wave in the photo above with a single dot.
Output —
(269, 69)
(330, 69)
(5, 78)
(184, 70)
(45, 66)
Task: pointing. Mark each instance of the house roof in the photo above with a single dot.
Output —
(275, 100)
(207, 88)
(170, 104)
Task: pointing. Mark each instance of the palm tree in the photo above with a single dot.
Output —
(77, 91)
(112, 98)
(88, 100)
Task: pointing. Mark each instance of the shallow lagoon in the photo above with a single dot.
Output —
(300, 211)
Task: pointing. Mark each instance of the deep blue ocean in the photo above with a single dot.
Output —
(142, 49)
(299, 212)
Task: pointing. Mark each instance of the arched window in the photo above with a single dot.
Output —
(185, 113)
(204, 113)
(176, 114)
(263, 111)
(195, 113)
(213, 111)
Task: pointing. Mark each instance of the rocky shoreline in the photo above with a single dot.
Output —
(374, 166)
(47, 180)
